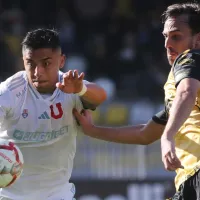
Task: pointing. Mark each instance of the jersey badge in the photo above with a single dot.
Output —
(25, 113)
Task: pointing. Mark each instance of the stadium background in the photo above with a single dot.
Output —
(119, 45)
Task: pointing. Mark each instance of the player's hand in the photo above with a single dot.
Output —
(84, 119)
(72, 82)
(169, 158)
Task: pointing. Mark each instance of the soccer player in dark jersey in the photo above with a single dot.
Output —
(179, 122)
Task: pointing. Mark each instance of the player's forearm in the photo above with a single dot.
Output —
(126, 135)
(139, 134)
(94, 95)
(180, 111)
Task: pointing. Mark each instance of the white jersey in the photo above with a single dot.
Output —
(45, 131)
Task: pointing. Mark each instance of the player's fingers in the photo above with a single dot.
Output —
(168, 165)
(173, 156)
(70, 74)
(60, 86)
(76, 114)
(175, 161)
(169, 158)
(81, 76)
(67, 76)
(87, 114)
(172, 161)
(75, 74)
(172, 164)
(80, 115)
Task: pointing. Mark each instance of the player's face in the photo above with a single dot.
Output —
(178, 37)
(42, 66)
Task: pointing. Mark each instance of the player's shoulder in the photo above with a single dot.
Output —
(188, 57)
(17, 78)
(14, 84)
(187, 66)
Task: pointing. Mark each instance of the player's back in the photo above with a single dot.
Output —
(45, 131)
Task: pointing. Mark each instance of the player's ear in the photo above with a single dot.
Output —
(62, 62)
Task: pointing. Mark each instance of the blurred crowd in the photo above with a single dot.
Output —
(118, 43)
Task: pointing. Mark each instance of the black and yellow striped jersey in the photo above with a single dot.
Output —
(187, 140)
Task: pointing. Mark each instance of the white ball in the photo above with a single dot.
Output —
(11, 163)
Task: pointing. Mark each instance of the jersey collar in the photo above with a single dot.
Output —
(37, 95)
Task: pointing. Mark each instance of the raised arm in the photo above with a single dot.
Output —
(90, 94)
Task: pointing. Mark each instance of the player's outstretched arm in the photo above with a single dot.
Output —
(143, 134)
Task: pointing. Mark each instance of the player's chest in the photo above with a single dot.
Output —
(39, 113)
(42, 121)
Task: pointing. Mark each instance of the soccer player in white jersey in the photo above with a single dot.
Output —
(36, 113)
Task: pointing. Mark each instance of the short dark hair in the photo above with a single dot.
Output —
(190, 9)
(41, 38)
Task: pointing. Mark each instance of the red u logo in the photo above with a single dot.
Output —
(60, 111)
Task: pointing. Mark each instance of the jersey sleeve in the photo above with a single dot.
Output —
(161, 117)
(187, 66)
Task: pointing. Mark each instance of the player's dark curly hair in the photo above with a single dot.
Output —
(190, 9)
(41, 38)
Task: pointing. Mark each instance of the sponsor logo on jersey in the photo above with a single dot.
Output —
(39, 136)
(25, 113)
